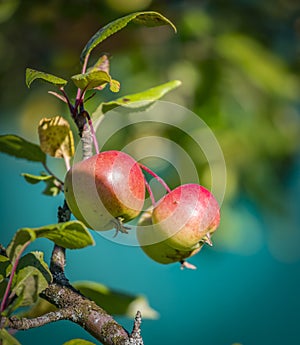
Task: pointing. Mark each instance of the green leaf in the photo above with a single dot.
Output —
(5, 267)
(78, 342)
(103, 65)
(34, 179)
(40, 308)
(115, 302)
(56, 137)
(52, 185)
(91, 79)
(16, 303)
(21, 148)
(32, 75)
(52, 188)
(144, 18)
(31, 278)
(7, 339)
(71, 235)
(16, 245)
(147, 96)
(3, 285)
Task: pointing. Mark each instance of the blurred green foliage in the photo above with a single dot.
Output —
(238, 61)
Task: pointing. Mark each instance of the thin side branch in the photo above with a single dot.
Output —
(25, 323)
(135, 336)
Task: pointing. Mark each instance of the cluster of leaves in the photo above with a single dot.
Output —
(24, 276)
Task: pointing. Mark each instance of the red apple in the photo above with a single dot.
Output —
(186, 216)
(159, 250)
(105, 190)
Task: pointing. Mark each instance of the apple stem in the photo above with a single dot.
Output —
(150, 192)
(159, 179)
(67, 161)
(185, 264)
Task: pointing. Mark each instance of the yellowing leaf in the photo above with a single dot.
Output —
(56, 138)
(114, 85)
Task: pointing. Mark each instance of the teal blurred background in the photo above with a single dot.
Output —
(239, 64)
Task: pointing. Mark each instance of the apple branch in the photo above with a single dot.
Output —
(80, 310)
(86, 313)
(75, 307)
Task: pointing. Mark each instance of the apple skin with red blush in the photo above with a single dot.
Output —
(186, 215)
(179, 224)
(105, 189)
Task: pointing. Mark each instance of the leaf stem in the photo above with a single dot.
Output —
(150, 192)
(83, 70)
(71, 108)
(67, 162)
(84, 66)
(13, 271)
(51, 173)
(159, 179)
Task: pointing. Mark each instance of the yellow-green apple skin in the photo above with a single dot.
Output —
(186, 215)
(156, 248)
(179, 224)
